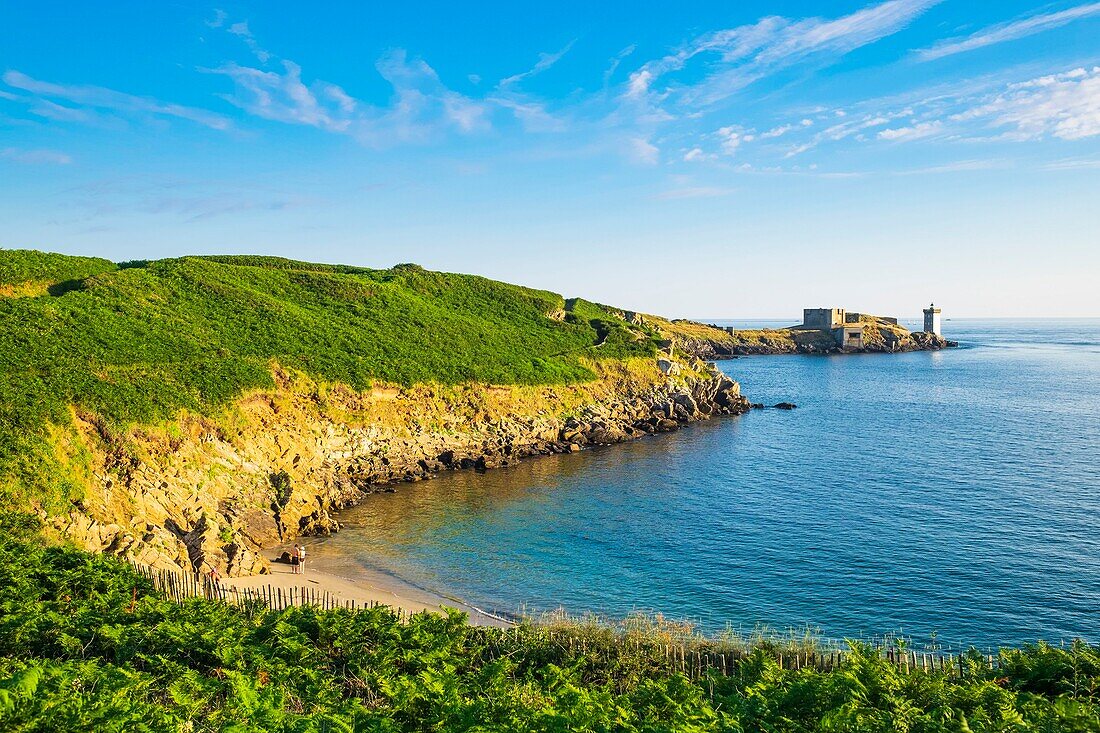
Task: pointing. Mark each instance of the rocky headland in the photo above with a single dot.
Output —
(188, 413)
(212, 491)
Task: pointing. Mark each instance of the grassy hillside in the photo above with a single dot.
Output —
(140, 341)
(29, 273)
(86, 645)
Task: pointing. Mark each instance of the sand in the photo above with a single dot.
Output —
(373, 587)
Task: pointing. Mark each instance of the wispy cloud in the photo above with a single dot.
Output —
(421, 107)
(218, 20)
(241, 30)
(533, 115)
(958, 167)
(731, 138)
(186, 200)
(546, 60)
(616, 60)
(747, 53)
(912, 132)
(776, 132)
(283, 97)
(1008, 31)
(1065, 106)
(104, 98)
(642, 151)
(1073, 164)
(35, 156)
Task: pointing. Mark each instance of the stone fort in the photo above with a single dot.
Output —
(847, 328)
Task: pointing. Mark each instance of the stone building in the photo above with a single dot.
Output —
(846, 331)
(849, 336)
(824, 319)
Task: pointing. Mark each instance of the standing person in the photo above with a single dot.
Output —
(295, 560)
(301, 559)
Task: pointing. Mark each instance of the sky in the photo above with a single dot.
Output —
(694, 159)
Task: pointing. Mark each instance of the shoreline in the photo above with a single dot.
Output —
(374, 586)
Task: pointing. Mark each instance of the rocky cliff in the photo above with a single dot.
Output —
(210, 491)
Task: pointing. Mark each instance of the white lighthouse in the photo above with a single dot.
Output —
(932, 320)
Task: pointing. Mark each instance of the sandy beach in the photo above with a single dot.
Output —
(374, 587)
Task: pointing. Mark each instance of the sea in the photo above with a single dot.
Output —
(950, 497)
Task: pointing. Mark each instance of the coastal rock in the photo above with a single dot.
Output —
(785, 406)
(215, 492)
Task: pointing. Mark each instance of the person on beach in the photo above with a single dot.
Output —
(295, 560)
(301, 559)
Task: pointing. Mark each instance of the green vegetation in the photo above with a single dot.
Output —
(138, 342)
(85, 644)
(27, 271)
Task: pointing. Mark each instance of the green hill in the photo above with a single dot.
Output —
(136, 342)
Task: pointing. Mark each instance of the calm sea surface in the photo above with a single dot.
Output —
(955, 492)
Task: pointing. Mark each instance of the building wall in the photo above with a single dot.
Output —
(849, 336)
(823, 318)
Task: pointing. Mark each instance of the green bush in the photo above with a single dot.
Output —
(86, 644)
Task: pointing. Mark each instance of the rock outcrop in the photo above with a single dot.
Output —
(205, 492)
(717, 344)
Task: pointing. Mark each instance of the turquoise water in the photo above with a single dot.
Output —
(955, 492)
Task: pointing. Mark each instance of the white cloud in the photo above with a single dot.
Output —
(61, 113)
(1073, 164)
(639, 83)
(694, 154)
(283, 97)
(103, 98)
(218, 20)
(615, 61)
(241, 29)
(912, 132)
(546, 60)
(421, 106)
(642, 151)
(532, 115)
(1065, 106)
(749, 52)
(806, 122)
(1009, 31)
(35, 156)
(776, 132)
(732, 137)
(959, 166)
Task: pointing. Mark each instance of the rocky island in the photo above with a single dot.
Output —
(823, 331)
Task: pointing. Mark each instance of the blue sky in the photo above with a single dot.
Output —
(731, 159)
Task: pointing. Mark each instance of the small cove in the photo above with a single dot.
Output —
(955, 493)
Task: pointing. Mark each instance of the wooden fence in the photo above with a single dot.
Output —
(696, 659)
(700, 658)
(179, 587)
